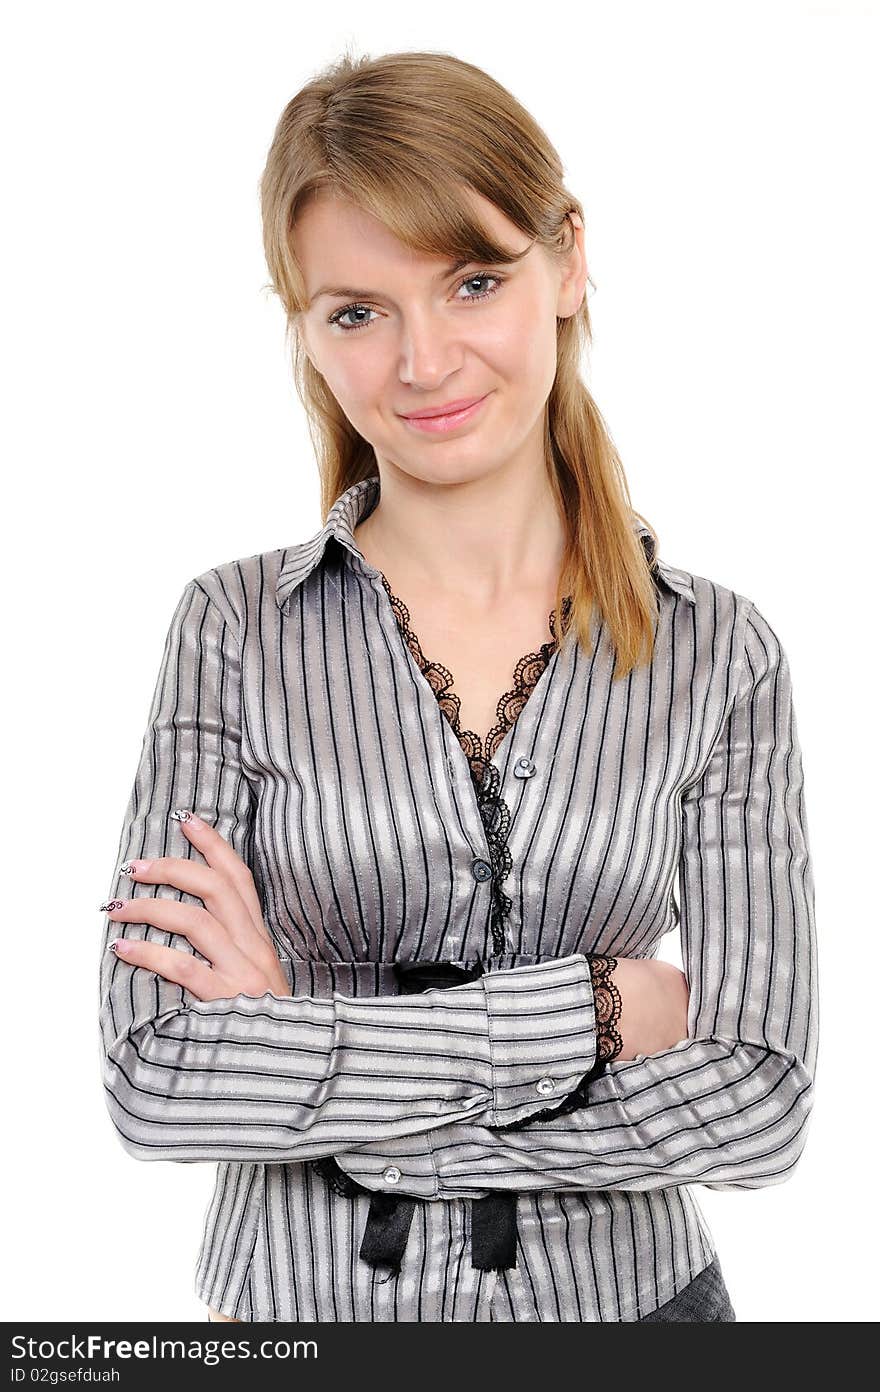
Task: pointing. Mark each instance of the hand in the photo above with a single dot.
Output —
(654, 1005)
(229, 931)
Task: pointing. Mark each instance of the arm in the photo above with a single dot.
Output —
(274, 1079)
(727, 1107)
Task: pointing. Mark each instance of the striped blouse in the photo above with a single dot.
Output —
(295, 712)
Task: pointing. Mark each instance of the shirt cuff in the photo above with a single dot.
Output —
(542, 1035)
(403, 1166)
(542, 1040)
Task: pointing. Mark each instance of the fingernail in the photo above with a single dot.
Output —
(135, 867)
(116, 945)
(111, 904)
(182, 814)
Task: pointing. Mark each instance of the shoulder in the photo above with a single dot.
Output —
(237, 587)
(709, 598)
(729, 628)
(686, 589)
(711, 617)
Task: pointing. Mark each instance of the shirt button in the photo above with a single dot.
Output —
(482, 870)
(524, 768)
(391, 1175)
(544, 1086)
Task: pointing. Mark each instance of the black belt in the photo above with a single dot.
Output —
(493, 1217)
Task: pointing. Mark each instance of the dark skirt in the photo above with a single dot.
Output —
(704, 1298)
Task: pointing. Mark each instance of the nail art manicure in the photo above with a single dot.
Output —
(110, 905)
(135, 867)
(181, 815)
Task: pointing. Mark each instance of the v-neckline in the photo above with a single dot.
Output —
(528, 670)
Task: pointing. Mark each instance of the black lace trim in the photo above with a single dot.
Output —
(336, 1178)
(608, 1007)
(525, 678)
(494, 811)
(495, 815)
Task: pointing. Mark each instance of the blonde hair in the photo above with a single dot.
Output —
(403, 136)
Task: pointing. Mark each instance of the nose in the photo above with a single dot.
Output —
(429, 352)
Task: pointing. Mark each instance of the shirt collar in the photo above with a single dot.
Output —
(350, 507)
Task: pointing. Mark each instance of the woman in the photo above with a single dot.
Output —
(440, 765)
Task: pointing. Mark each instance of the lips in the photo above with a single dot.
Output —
(446, 409)
(448, 422)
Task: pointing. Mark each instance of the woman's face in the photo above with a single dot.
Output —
(393, 332)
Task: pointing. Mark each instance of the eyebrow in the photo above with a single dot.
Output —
(346, 291)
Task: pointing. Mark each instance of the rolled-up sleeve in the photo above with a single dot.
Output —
(729, 1106)
(287, 1078)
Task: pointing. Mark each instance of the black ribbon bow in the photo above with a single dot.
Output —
(413, 977)
(493, 1218)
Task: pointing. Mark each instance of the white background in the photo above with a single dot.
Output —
(726, 159)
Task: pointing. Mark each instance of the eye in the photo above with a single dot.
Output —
(338, 315)
(482, 275)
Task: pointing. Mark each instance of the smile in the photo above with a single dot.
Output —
(438, 425)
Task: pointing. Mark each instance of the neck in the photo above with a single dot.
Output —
(479, 539)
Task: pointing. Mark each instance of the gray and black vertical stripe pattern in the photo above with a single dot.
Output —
(289, 713)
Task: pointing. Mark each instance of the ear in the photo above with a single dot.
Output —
(573, 282)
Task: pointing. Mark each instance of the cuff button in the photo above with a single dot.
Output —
(391, 1175)
(545, 1085)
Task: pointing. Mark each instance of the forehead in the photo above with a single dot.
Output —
(333, 235)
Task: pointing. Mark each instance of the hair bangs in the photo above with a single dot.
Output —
(427, 210)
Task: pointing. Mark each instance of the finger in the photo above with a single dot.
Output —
(189, 921)
(223, 857)
(219, 897)
(180, 967)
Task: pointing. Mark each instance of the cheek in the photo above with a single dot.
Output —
(540, 350)
(521, 341)
(354, 379)
(524, 361)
